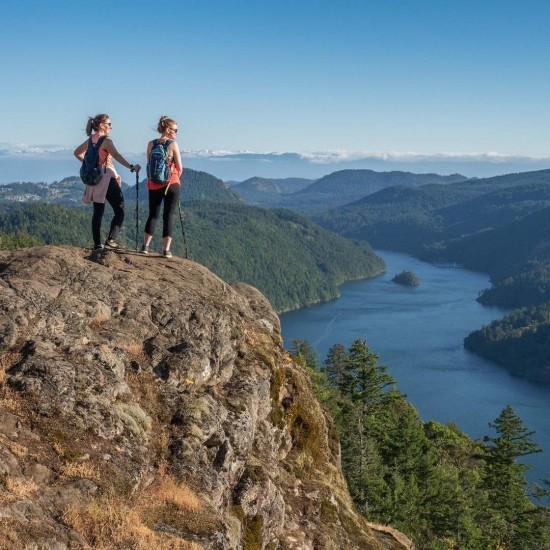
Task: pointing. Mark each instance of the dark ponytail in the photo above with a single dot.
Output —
(93, 123)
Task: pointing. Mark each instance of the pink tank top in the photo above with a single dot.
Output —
(105, 159)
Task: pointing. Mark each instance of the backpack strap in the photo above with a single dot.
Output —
(164, 144)
(100, 141)
(98, 146)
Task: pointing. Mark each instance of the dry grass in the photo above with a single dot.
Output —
(145, 385)
(136, 352)
(11, 400)
(28, 534)
(108, 523)
(80, 469)
(168, 491)
(7, 360)
(58, 448)
(17, 449)
(19, 487)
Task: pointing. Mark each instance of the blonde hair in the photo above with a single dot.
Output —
(94, 122)
(164, 123)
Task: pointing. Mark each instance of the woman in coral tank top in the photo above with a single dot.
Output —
(167, 192)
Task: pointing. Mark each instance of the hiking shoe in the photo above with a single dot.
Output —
(98, 248)
(167, 254)
(144, 249)
(112, 244)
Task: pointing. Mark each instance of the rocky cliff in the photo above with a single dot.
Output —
(145, 403)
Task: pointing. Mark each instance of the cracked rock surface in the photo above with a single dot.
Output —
(147, 403)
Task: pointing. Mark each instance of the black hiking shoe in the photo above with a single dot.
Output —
(98, 248)
(167, 254)
(144, 249)
(112, 244)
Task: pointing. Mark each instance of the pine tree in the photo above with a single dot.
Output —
(367, 392)
(304, 352)
(512, 513)
(335, 364)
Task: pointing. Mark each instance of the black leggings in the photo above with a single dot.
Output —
(171, 198)
(116, 199)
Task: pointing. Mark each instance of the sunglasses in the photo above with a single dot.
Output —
(175, 130)
(110, 124)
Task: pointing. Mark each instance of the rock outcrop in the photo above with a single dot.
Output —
(144, 403)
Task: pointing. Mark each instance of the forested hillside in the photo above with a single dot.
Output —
(293, 261)
(500, 226)
(520, 342)
(423, 220)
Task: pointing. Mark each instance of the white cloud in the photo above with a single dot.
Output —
(316, 157)
(329, 157)
(24, 149)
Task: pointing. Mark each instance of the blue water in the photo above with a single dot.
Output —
(418, 333)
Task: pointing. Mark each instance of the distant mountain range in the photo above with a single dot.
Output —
(437, 221)
(267, 192)
(335, 189)
(50, 163)
(298, 194)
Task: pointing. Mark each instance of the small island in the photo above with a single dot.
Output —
(406, 278)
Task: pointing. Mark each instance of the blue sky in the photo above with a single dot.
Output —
(386, 77)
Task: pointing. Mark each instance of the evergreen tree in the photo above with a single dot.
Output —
(303, 351)
(363, 380)
(513, 515)
(335, 364)
(367, 391)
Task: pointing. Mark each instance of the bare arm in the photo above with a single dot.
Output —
(109, 146)
(176, 156)
(80, 150)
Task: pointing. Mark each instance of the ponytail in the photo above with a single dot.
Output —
(94, 122)
(164, 122)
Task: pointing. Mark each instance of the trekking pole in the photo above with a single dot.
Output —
(137, 206)
(183, 231)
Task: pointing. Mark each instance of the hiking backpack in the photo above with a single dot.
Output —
(90, 171)
(158, 169)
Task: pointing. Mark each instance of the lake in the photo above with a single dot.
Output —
(418, 333)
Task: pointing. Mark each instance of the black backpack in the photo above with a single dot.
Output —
(90, 171)
(158, 169)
